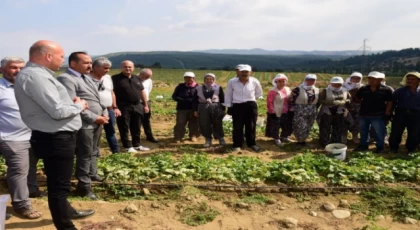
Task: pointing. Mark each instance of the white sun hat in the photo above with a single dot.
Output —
(189, 74)
(376, 74)
(337, 80)
(356, 74)
(310, 77)
(245, 68)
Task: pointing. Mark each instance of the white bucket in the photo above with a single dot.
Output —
(3, 204)
(337, 151)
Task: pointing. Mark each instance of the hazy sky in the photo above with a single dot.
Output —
(105, 26)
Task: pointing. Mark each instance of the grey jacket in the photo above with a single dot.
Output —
(77, 87)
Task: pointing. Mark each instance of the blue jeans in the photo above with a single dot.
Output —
(378, 125)
(110, 132)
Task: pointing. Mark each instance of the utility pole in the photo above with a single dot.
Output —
(364, 49)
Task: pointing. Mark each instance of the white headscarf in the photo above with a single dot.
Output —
(278, 77)
(309, 76)
(351, 85)
(336, 80)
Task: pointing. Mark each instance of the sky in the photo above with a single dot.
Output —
(107, 26)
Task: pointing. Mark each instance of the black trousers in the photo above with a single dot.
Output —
(57, 151)
(244, 115)
(130, 120)
(146, 122)
(409, 120)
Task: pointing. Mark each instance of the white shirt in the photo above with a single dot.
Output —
(12, 127)
(105, 92)
(148, 85)
(237, 92)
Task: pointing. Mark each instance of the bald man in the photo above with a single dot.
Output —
(54, 118)
(129, 94)
(145, 76)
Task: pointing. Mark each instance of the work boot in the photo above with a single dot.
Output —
(207, 143)
(222, 141)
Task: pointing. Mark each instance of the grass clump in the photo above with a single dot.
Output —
(398, 202)
(198, 214)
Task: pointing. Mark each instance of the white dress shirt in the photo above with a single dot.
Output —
(12, 127)
(148, 85)
(237, 92)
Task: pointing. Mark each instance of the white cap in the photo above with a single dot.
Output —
(337, 80)
(239, 66)
(356, 74)
(376, 74)
(189, 74)
(211, 75)
(310, 76)
(245, 68)
(278, 77)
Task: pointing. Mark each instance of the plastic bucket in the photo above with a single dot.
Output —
(3, 204)
(337, 151)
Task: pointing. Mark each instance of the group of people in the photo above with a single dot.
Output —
(59, 119)
(340, 108)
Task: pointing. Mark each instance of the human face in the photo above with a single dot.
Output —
(83, 65)
(55, 58)
(355, 79)
(310, 82)
(208, 80)
(127, 68)
(412, 81)
(374, 81)
(281, 83)
(11, 69)
(101, 70)
(188, 80)
(244, 74)
(336, 85)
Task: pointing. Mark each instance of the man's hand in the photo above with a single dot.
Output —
(81, 102)
(117, 112)
(195, 114)
(102, 120)
(146, 109)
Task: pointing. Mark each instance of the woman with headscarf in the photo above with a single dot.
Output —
(207, 105)
(303, 103)
(278, 109)
(353, 84)
(333, 113)
(183, 95)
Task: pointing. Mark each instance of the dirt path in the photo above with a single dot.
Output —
(165, 215)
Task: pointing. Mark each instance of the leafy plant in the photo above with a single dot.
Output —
(198, 214)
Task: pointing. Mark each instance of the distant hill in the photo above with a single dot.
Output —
(396, 62)
(196, 60)
(258, 51)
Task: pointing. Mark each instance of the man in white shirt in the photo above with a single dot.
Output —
(241, 94)
(100, 68)
(145, 76)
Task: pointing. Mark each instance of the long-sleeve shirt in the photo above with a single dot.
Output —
(271, 96)
(295, 95)
(237, 92)
(44, 102)
(404, 98)
(208, 94)
(12, 127)
(184, 96)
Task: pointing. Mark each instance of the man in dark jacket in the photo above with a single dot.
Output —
(406, 108)
(183, 95)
